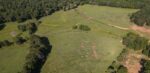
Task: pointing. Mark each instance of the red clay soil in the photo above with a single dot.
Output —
(132, 63)
(140, 29)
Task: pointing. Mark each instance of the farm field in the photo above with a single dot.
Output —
(76, 51)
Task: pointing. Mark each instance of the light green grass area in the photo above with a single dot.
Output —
(76, 51)
(73, 51)
(12, 58)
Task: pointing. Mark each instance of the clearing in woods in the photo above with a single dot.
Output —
(76, 51)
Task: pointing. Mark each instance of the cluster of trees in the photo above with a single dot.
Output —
(134, 41)
(116, 68)
(142, 17)
(39, 50)
(5, 43)
(30, 27)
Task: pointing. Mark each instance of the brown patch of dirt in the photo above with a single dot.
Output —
(132, 62)
(94, 53)
(140, 29)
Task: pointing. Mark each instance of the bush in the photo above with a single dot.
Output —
(5, 43)
(22, 27)
(122, 55)
(147, 51)
(19, 40)
(2, 26)
(122, 69)
(75, 27)
(84, 28)
(32, 27)
(134, 41)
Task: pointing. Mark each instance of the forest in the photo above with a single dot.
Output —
(21, 10)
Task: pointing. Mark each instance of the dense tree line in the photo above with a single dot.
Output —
(21, 10)
(134, 41)
(121, 3)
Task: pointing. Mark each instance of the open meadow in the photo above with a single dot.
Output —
(76, 51)
(73, 50)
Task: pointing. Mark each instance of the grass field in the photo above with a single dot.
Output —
(76, 51)
(73, 51)
(12, 58)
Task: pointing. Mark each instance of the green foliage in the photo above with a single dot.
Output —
(84, 27)
(19, 40)
(122, 69)
(146, 66)
(134, 41)
(22, 27)
(31, 27)
(39, 49)
(142, 17)
(5, 43)
(75, 27)
(122, 55)
(26, 9)
(116, 68)
(2, 26)
(121, 3)
(146, 51)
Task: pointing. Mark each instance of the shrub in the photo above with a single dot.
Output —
(134, 41)
(122, 69)
(22, 27)
(32, 27)
(19, 40)
(84, 28)
(5, 43)
(2, 26)
(75, 27)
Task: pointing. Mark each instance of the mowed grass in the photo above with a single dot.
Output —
(12, 58)
(76, 51)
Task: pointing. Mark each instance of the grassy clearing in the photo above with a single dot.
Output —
(12, 58)
(76, 51)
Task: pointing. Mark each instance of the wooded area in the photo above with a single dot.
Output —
(21, 10)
